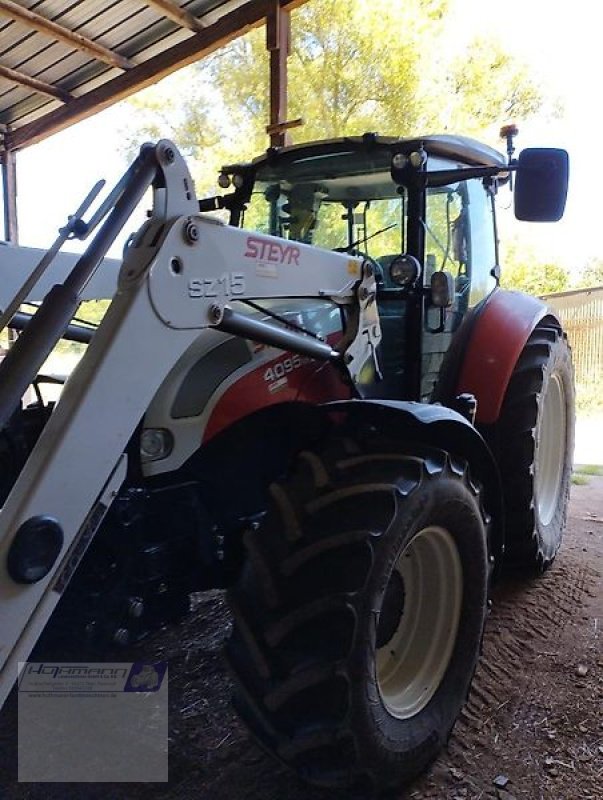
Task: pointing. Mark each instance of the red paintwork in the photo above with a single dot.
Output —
(496, 343)
(313, 382)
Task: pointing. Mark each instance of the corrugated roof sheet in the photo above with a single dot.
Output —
(136, 30)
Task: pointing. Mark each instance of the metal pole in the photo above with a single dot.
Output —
(23, 361)
(21, 296)
(266, 333)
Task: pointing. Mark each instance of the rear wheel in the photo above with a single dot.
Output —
(536, 439)
(359, 617)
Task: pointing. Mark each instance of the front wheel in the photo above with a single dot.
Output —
(359, 617)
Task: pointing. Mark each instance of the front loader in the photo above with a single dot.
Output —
(309, 391)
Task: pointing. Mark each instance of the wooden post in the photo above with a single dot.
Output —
(9, 188)
(278, 30)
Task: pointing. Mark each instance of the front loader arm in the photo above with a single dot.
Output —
(181, 278)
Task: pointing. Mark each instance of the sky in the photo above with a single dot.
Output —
(560, 41)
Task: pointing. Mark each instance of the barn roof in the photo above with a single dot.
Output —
(61, 61)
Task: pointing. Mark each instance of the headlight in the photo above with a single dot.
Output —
(405, 270)
(399, 161)
(418, 158)
(155, 443)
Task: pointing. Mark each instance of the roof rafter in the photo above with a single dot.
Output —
(179, 15)
(33, 83)
(46, 26)
(242, 19)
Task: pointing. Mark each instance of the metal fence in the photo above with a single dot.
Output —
(581, 312)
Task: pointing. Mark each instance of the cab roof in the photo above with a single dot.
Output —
(460, 149)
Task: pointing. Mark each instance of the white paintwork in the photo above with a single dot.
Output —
(49, 599)
(151, 323)
(188, 432)
(16, 263)
(221, 251)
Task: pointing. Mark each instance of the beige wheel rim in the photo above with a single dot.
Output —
(412, 664)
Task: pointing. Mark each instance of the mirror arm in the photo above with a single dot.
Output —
(445, 176)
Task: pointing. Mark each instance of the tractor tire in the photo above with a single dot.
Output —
(359, 615)
(535, 440)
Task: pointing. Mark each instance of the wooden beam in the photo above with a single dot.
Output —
(229, 27)
(33, 83)
(278, 35)
(284, 126)
(180, 16)
(9, 188)
(75, 40)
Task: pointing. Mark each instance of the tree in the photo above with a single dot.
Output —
(485, 86)
(535, 279)
(355, 66)
(522, 269)
(591, 275)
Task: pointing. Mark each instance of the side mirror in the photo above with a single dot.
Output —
(441, 296)
(442, 289)
(541, 184)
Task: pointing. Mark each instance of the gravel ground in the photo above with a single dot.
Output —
(533, 718)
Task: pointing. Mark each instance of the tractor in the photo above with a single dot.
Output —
(310, 391)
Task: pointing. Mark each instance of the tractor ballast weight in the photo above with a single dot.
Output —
(326, 406)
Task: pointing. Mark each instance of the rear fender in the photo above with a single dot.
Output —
(437, 426)
(499, 332)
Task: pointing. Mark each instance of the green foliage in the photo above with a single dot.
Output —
(591, 275)
(589, 469)
(93, 311)
(523, 270)
(392, 67)
(178, 108)
(484, 86)
(535, 278)
(354, 70)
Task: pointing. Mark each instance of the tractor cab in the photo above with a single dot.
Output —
(422, 211)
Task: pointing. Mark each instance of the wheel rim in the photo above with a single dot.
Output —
(412, 662)
(550, 449)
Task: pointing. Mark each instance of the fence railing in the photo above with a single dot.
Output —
(581, 312)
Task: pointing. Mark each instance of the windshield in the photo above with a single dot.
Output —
(347, 200)
(344, 200)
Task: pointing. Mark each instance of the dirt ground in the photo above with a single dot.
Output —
(534, 720)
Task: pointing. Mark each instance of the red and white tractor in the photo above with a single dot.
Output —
(324, 404)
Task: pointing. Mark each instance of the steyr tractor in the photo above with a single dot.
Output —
(309, 391)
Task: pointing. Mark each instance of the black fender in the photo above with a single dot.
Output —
(438, 426)
(234, 489)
